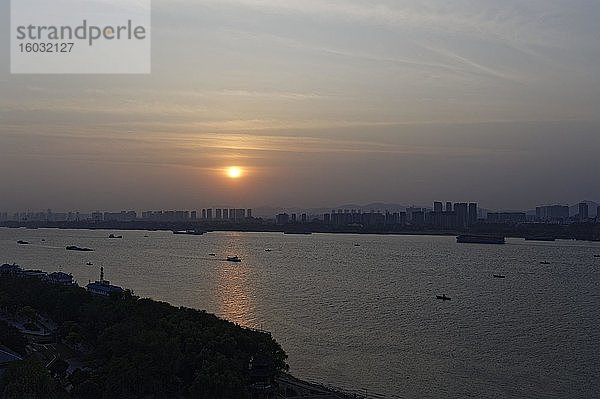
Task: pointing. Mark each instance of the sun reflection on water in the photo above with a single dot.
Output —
(235, 296)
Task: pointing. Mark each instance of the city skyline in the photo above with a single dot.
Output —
(587, 208)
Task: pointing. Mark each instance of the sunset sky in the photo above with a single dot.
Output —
(319, 103)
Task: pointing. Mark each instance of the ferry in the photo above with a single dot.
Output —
(299, 232)
(75, 248)
(539, 238)
(189, 232)
(477, 239)
(234, 259)
(21, 242)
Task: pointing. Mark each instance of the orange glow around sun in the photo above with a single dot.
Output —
(234, 172)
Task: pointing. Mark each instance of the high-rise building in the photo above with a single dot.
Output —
(552, 213)
(240, 214)
(472, 214)
(193, 215)
(231, 214)
(437, 207)
(392, 218)
(403, 219)
(209, 214)
(282, 218)
(225, 214)
(418, 218)
(249, 213)
(219, 214)
(583, 211)
(411, 211)
(448, 206)
(462, 214)
(203, 214)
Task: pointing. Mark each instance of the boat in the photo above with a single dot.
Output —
(499, 276)
(480, 239)
(234, 259)
(539, 238)
(357, 245)
(268, 250)
(89, 264)
(76, 248)
(596, 256)
(212, 254)
(545, 262)
(189, 232)
(299, 232)
(443, 297)
(21, 242)
(114, 236)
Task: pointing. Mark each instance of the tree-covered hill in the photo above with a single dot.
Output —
(145, 349)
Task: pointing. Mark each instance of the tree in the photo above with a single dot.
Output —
(29, 379)
(12, 338)
(29, 314)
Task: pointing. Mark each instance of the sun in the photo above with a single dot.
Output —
(234, 172)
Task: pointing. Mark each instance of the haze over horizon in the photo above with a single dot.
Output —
(319, 104)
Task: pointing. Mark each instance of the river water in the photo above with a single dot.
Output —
(360, 311)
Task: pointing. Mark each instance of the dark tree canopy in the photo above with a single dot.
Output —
(144, 348)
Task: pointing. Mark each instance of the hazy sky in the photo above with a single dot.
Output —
(322, 102)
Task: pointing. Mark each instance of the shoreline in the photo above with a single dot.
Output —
(579, 232)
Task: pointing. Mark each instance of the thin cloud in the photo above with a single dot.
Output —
(475, 66)
(483, 19)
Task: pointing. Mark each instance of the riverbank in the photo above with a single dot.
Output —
(576, 231)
